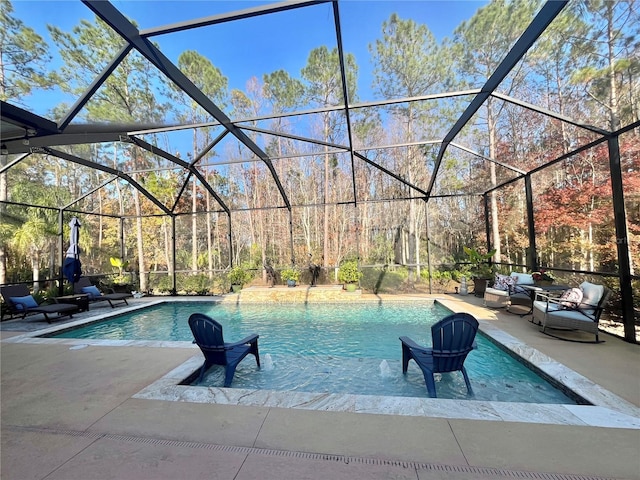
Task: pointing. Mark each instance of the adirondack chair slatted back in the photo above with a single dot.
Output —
(208, 335)
(453, 339)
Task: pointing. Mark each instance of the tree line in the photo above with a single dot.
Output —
(584, 67)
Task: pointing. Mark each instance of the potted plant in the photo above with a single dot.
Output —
(543, 277)
(290, 275)
(238, 276)
(349, 274)
(122, 282)
(479, 268)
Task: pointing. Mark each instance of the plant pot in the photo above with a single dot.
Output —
(291, 283)
(479, 286)
(351, 287)
(236, 288)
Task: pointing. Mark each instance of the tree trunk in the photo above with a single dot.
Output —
(325, 229)
(209, 243)
(613, 91)
(139, 237)
(167, 247)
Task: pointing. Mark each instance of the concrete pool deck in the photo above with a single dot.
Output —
(71, 412)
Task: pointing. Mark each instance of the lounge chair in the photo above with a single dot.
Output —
(453, 338)
(21, 302)
(84, 286)
(208, 335)
(555, 313)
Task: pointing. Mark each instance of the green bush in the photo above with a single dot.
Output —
(478, 263)
(348, 272)
(160, 283)
(439, 278)
(238, 276)
(383, 280)
(290, 273)
(200, 284)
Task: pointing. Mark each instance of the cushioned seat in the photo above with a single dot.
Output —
(21, 302)
(84, 286)
(552, 313)
(507, 291)
(495, 298)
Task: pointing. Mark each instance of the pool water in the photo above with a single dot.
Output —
(334, 348)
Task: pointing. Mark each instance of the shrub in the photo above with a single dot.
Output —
(290, 273)
(199, 284)
(238, 276)
(348, 272)
(383, 280)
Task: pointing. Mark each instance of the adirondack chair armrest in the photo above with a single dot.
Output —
(414, 346)
(250, 339)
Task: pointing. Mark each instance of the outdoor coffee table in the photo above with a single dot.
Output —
(79, 299)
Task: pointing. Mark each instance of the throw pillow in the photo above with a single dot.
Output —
(571, 298)
(504, 282)
(24, 303)
(92, 291)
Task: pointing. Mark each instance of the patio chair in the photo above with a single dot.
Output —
(508, 291)
(21, 302)
(555, 313)
(84, 286)
(208, 335)
(453, 338)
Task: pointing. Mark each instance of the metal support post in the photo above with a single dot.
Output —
(532, 261)
(622, 239)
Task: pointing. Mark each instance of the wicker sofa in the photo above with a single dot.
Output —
(498, 298)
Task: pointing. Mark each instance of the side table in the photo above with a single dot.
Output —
(80, 299)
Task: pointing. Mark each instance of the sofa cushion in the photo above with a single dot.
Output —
(496, 291)
(591, 295)
(522, 279)
(547, 307)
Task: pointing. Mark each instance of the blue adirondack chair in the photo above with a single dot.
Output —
(453, 338)
(208, 335)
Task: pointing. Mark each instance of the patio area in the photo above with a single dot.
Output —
(72, 412)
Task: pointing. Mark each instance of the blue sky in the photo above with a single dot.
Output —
(256, 46)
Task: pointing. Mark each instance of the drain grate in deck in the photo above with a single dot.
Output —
(496, 473)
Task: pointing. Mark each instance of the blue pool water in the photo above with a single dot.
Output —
(334, 348)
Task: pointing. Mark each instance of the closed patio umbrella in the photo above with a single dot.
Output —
(72, 268)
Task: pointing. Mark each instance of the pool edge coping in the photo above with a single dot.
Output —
(607, 409)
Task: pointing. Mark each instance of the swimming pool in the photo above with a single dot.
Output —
(334, 348)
